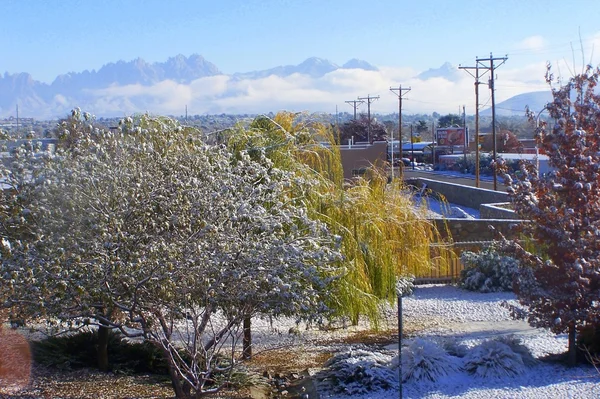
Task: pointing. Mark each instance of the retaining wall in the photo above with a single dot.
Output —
(471, 197)
(463, 230)
(496, 211)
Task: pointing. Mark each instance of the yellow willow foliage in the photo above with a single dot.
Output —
(382, 234)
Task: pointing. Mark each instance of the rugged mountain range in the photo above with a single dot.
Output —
(74, 87)
(122, 87)
(86, 88)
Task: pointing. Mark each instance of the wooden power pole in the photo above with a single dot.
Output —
(480, 66)
(369, 100)
(355, 104)
(399, 91)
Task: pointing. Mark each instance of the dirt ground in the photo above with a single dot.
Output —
(272, 371)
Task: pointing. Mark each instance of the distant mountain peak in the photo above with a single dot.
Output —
(315, 60)
(355, 63)
(446, 71)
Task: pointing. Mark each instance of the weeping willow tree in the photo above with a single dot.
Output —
(382, 235)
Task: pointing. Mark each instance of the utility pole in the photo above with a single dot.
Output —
(399, 91)
(355, 104)
(412, 148)
(433, 139)
(480, 66)
(465, 138)
(477, 68)
(369, 100)
(17, 135)
(492, 68)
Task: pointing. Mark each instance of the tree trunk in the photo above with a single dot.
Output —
(247, 342)
(175, 380)
(572, 355)
(102, 349)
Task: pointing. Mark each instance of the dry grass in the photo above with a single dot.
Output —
(290, 359)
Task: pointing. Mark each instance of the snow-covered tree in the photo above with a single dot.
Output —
(151, 231)
(559, 280)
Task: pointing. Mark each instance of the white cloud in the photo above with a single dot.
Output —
(533, 43)
(225, 94)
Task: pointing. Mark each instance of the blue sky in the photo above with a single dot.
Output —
(48, 38)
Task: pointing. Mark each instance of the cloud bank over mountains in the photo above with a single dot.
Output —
(315, 85)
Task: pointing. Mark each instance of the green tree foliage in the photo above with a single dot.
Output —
(450, 120)
(421, 127)
(560, 278)
(382, 237)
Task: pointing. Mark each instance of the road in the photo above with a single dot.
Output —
(466, 181)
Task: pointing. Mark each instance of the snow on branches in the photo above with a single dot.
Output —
(560, 280)
(149, 230)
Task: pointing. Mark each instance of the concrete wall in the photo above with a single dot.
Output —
(471, 197)
(466, 230)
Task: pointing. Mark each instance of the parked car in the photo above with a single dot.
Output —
(405, 161)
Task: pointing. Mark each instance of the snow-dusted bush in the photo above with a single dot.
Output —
(487, 271)
(454, 347)
(426, 360)
(493, 359)
(357, 371)
(517, 346)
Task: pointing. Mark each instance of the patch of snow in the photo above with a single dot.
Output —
(468, 318)
(439, 209)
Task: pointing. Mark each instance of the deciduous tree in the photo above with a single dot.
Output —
(152, 232)
(358, 130)
(559, 280)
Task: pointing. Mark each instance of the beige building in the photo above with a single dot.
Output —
(356, 158)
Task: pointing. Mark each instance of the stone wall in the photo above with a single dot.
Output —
(467, 230)
(496, 211)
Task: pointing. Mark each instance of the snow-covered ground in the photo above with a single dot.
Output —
(437, 208)
(440, 312)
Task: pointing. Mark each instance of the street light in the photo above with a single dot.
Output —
(537, 145)
(412, 148)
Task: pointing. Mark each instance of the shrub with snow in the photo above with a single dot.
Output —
(426, 360)
(515, 343)
(493, 359)
(357, 372)
(487, 271)
(454, 347)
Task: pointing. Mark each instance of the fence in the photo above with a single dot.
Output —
(447, 269)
